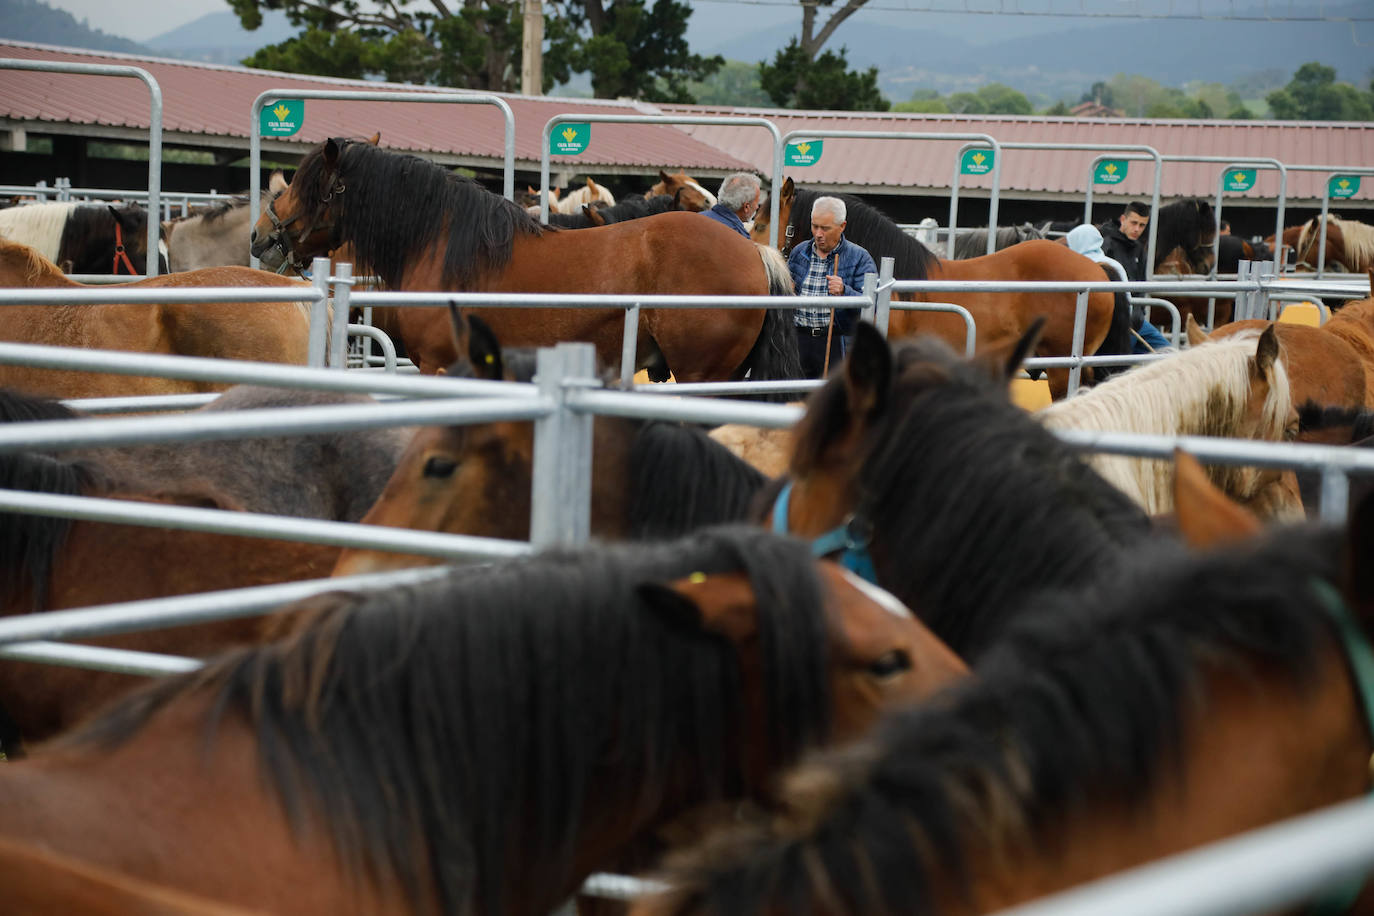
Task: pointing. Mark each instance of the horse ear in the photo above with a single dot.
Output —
(1196, 335)
(788, 192)
(484, 350)
(331, 153)
(720, 605)
(868, 371)
(1266, 351)
(375, 139)
(1206, 516)
(591, 186)
(276, 182)
(120, 217)
(594, 215)
(664, 176)
(1005, 361)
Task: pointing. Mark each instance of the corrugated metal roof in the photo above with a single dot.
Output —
(212, 102)
(207, 100)
(888, 166)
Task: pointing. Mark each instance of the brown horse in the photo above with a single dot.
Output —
(417, 226)
(1000, 318)
(1180, 702)
(1176, 263)
(263, 331)
(1349, 245)
(509, 752)
(650, 480)
(686, 192)
(84, 238)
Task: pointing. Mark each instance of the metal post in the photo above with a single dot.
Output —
(884, 308)
(1321, 243)
(1080, 322)
(561, 488)
(869, 289)
(338, 338)
(629, 347)
(1335, 496)
(319, 313)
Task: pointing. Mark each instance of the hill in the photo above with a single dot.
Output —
(30, 20)
(219, 38)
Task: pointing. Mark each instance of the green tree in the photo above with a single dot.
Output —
(826, 83)
(1058, 109)
(1314, 95)
(736, 83)
(1000, 99)
(1101, 93)
(633, 48)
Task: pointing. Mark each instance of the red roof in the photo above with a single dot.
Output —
(210, 104)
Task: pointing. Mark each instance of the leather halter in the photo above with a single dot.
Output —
(850, 538)
(1360, 657)
(788, 237)
(281, 239)
(120, 255)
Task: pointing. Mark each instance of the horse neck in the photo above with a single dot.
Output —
(24, 267)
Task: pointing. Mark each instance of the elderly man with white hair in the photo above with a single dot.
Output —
(736, 202)
(827, 264)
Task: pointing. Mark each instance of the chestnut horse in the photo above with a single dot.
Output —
(418, 226)
(950, 496)
(1180, 702)
(1349, 245)
(84, 238)
(265, 331)
(999, 317)
(650, 480)
(1236, 387)
(685, 190)
(525, 723)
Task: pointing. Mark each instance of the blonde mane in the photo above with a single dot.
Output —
(1203, 391)
(23, 265)
(1358, 238)
(591, 192)
(37, 225)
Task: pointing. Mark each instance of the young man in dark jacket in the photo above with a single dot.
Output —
(1121, 239)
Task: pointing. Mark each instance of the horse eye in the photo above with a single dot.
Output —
(890, 664)
(440, 467)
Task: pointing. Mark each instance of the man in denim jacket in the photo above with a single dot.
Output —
(827, 265)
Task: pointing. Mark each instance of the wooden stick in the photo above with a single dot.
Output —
(830, 332)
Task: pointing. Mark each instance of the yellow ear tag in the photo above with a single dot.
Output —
(489, 359)
(697, 578)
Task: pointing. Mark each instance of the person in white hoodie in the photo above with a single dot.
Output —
(1087, 241)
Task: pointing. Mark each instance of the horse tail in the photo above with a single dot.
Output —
(774, 355)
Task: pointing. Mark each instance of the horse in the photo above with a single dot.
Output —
(998, 317)
(683, 188)
(1189, 224)
(974, 244)
(218, 236)
(510, 750)
(1180, 702)
(263, 331)
(85, 238)
(574, 201)
(1236, 387)
(1349, 245)
(1231, 250)
(335, 476)
(447, 232)
(650, 479)
(945, 490)
(1176, 263)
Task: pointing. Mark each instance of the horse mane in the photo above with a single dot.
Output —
(27, 260)
(1188, 224)
(681, 480)
(974, 244)
(1201, 391)
(432, 796)
(219, 210)
(1359, 242)
(396, 206)
(37, 225)
(1081, 708)
(963, 489)
(868, 227)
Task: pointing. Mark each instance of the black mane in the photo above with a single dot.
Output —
(681, 480)
(974, 244)
(974, 505)
(395, 206)
(438, 729)
(88, 238)
(1082, 708)
(632, 207)
(1189, 224)
(870, 229)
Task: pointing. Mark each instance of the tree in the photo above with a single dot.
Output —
(993, 98)
(1314, 95)
(736, 84)
(633, 48)
(826, 83)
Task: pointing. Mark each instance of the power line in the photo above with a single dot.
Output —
(1014, 8)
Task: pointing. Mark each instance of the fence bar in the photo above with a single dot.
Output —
(629, 344)
(561, 484)
(686, 410)
(338, 333)
(1080, 320)
(369, 334)
(1335, 495)
(317, 351)
(882, 314)
(98, 658)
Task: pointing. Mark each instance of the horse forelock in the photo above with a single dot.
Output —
(395, 207)
(869, 228)
(480, 707)
(1084, 707)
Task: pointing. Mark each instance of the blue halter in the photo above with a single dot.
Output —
(850, 539)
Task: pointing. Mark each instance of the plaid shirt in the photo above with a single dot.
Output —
(815, 284)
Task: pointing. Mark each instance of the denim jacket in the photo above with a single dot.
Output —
(855, 261)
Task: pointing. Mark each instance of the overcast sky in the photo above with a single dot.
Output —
(138, 19)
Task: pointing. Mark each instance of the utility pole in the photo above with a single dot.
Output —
(532, 50)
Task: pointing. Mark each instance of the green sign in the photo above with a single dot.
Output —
(976, 162)
(1343, 186)
(1110, 171)
(1240, 179)
(282, 118)
(570, 139)
(805, 152)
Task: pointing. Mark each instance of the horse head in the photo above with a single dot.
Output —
(787, 196)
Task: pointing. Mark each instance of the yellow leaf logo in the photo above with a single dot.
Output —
(281, 111)
(1344, 183)
(979, 158)
(570, 134)
(803, 148)
(1110, 168)
(1238, 177)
